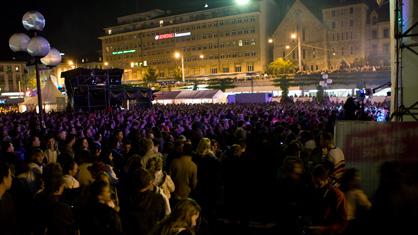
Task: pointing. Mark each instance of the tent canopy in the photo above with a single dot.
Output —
(49, 93)
(186, 94)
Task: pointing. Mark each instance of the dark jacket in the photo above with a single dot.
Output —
(142, 211)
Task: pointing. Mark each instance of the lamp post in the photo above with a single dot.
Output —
(37, 47)
(178, 55)
(297, 36)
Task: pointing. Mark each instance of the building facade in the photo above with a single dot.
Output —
(12, 74)
(344, 35)
(221, 42)
(306, 27)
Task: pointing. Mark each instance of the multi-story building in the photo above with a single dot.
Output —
(12, 73)
(221, 42)
(345, 32)
(300, 24)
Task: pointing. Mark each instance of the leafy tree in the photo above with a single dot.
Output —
(221, 84)
(320, 95)
(150, 76)
(177, 74)
(195, 83)
(280, 66)
(283, 83)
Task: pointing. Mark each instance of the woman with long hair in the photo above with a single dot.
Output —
(182, 221)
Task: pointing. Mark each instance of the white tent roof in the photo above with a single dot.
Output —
(187, 94)
(49, 93)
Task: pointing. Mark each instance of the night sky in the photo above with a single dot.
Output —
(73, 26)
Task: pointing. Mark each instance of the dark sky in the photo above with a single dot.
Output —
(73, 26)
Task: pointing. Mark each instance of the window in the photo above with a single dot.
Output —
(333, 25)
(312, 67)
(293, 55)
(284, 54)
(386, 48)
(238, 68)
(342, 51)
(317, 68)
(351, 10)
(9, 68)
(253, 42)
(386, 33)
(374, 20)
(303, 53)
(250, 67)
(225, 70)
(374, 34)
(333, 13)
(314, 53)
(1, 68)
(351, 50)
(214, 70)
(351, 23)
(240, 43)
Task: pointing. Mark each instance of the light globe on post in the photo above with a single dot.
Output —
(38, 47)
(52, 59)
(33, 21)
(242, 2)
(18, 42)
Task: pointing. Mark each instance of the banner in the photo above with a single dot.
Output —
(366, 145)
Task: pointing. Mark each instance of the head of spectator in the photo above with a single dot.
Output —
(350, 180)
(37, 157)
(184, 218)
(293, 170)
(320, 176)
(204, 147)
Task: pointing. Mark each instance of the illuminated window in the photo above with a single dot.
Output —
(238, 68)
(250, 67)
(240, 43)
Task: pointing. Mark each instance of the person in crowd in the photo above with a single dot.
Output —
(51, 151)
(184, 173)
(328, 205)
(333, 156)
(291, 194)
(162, 181)
(182, 221)
(49, 211)
(144, 207)
(100, 216)
(70, 170)
(68, 147)
(8, 217)
(357, 201)
(208, 177)
(150, 152)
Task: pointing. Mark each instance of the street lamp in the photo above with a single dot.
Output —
(270, 40)
(178, 55)
(287, 47)
(242, 2)
(201, 56)
(37, 47)
(296, 36)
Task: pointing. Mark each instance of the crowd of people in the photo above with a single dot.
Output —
(182, 169)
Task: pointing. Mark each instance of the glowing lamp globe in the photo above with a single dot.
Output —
(33, 20)
(38, 47)
(19, 42)
(52, 59)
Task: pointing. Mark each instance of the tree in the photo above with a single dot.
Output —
(280, 66)
(320, 94)
(283, 83)
(150, 76)
(177, 74)
(221, 84)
